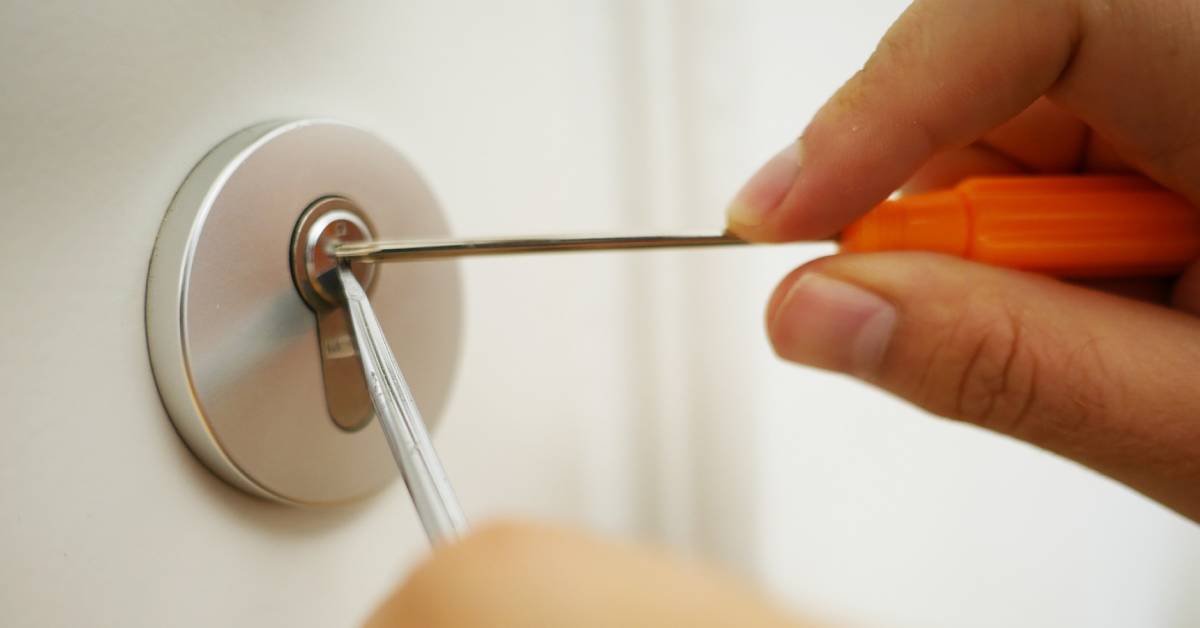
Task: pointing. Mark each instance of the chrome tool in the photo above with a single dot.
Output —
(402, 250)
(430, 490)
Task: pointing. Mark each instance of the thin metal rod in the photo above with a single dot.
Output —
(430, 489)
(401, 250)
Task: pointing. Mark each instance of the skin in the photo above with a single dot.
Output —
(529, 576)
(1102, 373)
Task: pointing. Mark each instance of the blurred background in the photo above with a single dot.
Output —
(631, 394)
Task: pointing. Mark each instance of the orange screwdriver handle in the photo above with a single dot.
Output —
(1068, 226)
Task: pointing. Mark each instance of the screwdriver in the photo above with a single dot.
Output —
(430, 490)
(1066, 226)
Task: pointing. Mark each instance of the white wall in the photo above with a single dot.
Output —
(634, 394)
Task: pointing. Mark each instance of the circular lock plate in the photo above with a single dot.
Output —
(233, 345)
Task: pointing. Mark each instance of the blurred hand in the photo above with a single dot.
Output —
(532, 577)
(1004, 86)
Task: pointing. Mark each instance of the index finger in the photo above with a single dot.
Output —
(948, 71)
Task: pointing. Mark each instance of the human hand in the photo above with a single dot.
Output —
(512, 576)
(1004, 86)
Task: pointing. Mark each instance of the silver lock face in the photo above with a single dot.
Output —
(241, 358)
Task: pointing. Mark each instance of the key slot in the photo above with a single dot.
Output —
(323, 226)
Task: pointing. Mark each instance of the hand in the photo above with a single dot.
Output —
(1003, 86)
(524, 577)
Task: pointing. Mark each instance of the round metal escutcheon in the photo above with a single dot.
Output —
(235, 349)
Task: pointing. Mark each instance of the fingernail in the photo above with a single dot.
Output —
(766, 189)
(832, 324)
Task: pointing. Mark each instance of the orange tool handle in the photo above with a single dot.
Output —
(1069, 226)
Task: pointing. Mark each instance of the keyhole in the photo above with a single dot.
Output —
(325, 224)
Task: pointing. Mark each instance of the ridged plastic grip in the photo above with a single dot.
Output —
(1083, 226)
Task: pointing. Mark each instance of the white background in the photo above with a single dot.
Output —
(634, 395)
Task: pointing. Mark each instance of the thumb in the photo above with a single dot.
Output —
(1108, 382)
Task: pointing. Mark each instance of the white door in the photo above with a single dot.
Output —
(634, 395)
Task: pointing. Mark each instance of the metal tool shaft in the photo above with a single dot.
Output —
(400, 250)
(434, 498)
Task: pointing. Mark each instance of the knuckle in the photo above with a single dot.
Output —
(992, 390)
(994, 372)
